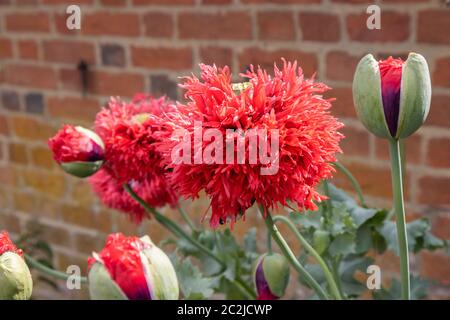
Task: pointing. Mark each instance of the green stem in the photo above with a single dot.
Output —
(269, 242)
(177, 231)
(397, 187)
(49, 271)
(171, 226)
(328, 205)
(353, 181)
(328, 275)
(287, 252)
(187, 219)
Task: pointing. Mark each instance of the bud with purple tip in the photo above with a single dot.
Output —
(271, 276)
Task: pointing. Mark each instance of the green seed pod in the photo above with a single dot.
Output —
(15, 277)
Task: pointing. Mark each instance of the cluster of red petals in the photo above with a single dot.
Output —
(391, 78)
(129, 132)
(6, 245)
(308, 139)
(121, 257)
(155, 191)
(71, 145)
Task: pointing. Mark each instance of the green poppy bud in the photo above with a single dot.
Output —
(271, 276)
(392, 97)
(15, 277)
(79, 151)
(131, 268)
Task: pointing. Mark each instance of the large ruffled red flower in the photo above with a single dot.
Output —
(6, 245)
(287, 102)
(130, 131)
(154, 190)
(71, 144)
(121, 257)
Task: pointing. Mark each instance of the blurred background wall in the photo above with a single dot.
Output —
(145, 45)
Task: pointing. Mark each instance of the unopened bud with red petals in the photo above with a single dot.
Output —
(77, 150)
(15, 277)
(392, 97)
(131, 268)
(271, 276)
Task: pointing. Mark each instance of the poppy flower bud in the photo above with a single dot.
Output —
(131, 268)
(15, 277)
(78, 151)
(392, 97)
(271, 276)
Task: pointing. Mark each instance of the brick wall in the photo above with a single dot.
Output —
(144, 45)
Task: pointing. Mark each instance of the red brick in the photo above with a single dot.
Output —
(31, 129)
(431, 25)
(441, 75)
(266, 59)
(42, 157)
(115, 3)
(74, 108)
(341, 65)
(114, 24)
(349, 2)
(276, 25)
(112, 84)
(28, 49)
(5, 48)
(375, 181)
(438, 153)
(435, 266)
(158, 25)
(30, 76)
(46, 183)
(70, 79)
(282, 1)
(216, 1)
(356, 141)
(343, 105)
(162, 58)
(87, 243)
(8, 177)
(394, 27)
(163, 2)
(441, 226)
(433, 190)
(18, 153)
(216, 55)
(58, 2)
(68, 51)
(28, 22)
(440, 111)
(319, 26)
(4, 128)
(412, 148)
(234, 25)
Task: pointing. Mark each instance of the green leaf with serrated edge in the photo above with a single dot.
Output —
(342, 244)
(193, 284)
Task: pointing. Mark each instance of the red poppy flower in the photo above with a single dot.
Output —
(6, 245)
(391, 78)
(154, 190)
(287, 103)
(121, 257)
(130, 131)
(72, 144)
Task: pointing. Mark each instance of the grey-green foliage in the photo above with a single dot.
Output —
(349, 232)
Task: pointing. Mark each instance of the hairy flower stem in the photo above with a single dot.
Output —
(187, 219)
(290, 256)
(177, 231)
(353, 181)
(49, 271)
(328, 275)
(397, 187)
